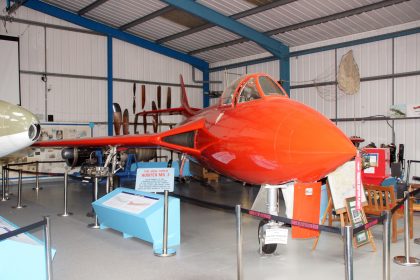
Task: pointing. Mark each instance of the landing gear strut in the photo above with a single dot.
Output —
(266, 225)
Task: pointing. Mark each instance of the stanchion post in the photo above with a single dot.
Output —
(165, 252)
(7, 173)
(65, 212)
(37, 187)
(3, 184)
(239, 242)
(19, 192)
(95, 225)
(165, 224)
(386, 267)
(48, 255)
(406, 260)
(348, 251)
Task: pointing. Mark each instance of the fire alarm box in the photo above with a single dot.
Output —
(378, 165)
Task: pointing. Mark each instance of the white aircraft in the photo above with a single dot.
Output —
(19, 128)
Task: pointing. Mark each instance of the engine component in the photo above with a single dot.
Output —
(76, 156)
(145, 154)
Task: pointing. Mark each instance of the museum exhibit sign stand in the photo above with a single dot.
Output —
(24, 256)
(142, 214)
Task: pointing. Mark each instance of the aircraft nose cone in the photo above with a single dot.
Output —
(315, 146)
(23, 120)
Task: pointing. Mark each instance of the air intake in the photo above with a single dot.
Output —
(183, 139)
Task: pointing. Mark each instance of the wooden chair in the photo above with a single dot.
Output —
(381, 198)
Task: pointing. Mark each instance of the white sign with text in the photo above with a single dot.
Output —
(155, 179)
(276, 236)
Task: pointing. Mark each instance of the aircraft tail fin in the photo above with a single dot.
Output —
(184, 99)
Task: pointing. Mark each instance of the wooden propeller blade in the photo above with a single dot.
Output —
(155, 117)
(143, 96)
(126, 129)
(117, 118)
(155, 124)
(136, 123)
(168, 98)
(134, 98)
(159, 96)
(144, 124)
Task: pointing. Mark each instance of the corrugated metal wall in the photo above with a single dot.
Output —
(84, 99)
(134, 63)
(374, 97)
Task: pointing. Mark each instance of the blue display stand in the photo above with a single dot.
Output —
(22, 257)
(146, 225)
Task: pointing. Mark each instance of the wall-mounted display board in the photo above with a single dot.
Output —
(342, 185)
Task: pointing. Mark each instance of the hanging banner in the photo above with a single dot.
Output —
(358, 181)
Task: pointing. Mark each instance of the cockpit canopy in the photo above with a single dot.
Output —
(251, 87)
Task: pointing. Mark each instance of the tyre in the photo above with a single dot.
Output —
(267, 248)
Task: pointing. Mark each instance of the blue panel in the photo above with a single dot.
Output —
(20, 260)
(285, 74)
(146, 225)
(115, 33)
(206, 88)
(110, 98)
(275, 47)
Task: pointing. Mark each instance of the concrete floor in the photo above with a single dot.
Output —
(208, 248)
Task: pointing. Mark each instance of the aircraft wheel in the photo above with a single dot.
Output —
(266, 248)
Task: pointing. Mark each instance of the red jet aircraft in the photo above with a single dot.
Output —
(256, 134)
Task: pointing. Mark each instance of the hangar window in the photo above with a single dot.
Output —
(249, 92)
(270, 87)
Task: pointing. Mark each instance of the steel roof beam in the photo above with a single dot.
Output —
(113, 32)
(273, 46)
(90, 7)
(239, 15)
(308, 23)
(146, 18)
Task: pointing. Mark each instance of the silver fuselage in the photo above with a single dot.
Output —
(19, 128)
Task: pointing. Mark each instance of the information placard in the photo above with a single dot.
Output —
(155, 179)
(130, 202)
(276, 236)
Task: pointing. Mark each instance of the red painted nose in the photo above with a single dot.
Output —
(310, 144)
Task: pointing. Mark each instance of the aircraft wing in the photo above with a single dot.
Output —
(170, 111)
(181, 139)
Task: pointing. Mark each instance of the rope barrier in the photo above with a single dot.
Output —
(34, 172)
(292, 222)
(400, 203)
(22, 230)
(35, 162)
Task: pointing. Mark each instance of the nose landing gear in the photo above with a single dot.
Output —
(262, 229)
(266, 227)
